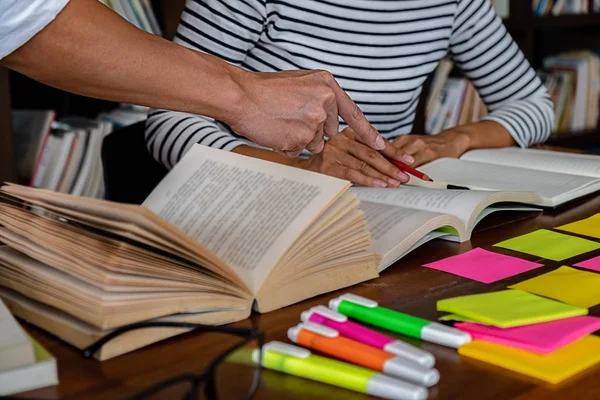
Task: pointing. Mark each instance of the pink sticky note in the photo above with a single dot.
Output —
(483, 266)
(592, 264)
(541, 338)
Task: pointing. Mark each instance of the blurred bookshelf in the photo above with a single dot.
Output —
(538, 37)
(556, 34)
(18, 92)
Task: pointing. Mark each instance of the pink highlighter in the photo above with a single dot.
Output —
(332, 319)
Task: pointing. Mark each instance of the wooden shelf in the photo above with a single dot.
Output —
(567, 21)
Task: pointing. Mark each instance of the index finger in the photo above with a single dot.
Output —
(355, 118)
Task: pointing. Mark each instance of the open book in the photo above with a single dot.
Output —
(402, 219)
(556, 177)
(220, 233)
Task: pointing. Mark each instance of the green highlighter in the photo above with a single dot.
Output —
(301, 362)
(368, 311)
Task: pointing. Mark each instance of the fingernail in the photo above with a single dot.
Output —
(408, 159)
(402, 176)
(394, 182)
(380, 183)
(380, 143)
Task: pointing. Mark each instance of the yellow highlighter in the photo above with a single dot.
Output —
(301, 362)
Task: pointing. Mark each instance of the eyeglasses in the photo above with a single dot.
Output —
(232, 373)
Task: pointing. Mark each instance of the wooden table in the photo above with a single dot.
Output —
(405, 287)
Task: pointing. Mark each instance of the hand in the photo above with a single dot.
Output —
(292, 110)
(346, 157)
(426, 148)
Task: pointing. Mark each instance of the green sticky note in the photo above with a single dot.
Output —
(569, 285)
(508, 308)
(586, 227)
(550, 245)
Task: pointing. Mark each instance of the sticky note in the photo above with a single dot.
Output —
(566, 284)
(508, 308)
(554, 368)
(543, 338)
(586, 227)
(483, 266)
(550, 245)
(591, 264)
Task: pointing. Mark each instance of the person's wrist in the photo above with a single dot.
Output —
(460, 139)
(233, 101)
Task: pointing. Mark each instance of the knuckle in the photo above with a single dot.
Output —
(325, 75)
(293, 142)
(429, 152)
(346, 174)
(372, 156)
(362, 166)
(315, 115)
(328, 97)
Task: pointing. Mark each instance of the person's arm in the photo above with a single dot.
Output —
(520, 109)
(90, 50)
(215, 28)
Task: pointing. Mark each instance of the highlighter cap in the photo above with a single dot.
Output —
(324, 312)
(315, 328)
(282, 348)
(352, 298)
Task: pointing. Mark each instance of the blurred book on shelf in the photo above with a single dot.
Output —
(565, 7)
(573, 81)
(64, 155)
(452, 101)
(138, 12)
(502, 8)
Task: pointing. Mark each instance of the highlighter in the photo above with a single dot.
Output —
(368, 311)
(301, 362)
(328, 341)
(333, 319)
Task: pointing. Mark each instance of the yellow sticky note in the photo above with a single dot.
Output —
(554, 367)
(586, 227)
(550, 245)
(508, 308)
(566, 284)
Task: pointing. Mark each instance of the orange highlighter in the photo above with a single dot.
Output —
(328, 341)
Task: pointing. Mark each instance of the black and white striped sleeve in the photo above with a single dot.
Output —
(486, 53)
(218, 28)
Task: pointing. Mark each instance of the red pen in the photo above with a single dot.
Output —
(411, 170)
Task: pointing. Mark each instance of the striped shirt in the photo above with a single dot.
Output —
(380, 51)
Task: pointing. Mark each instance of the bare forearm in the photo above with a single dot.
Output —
(483, 135)
(91, 50)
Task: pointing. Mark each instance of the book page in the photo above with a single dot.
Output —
(544, 160)
(477, 175)
(248, 211)
(15, 349)
(396, 230)
(461, 203)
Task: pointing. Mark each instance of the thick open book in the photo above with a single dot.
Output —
(404, 218)
(555, 176)
(221, 233)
